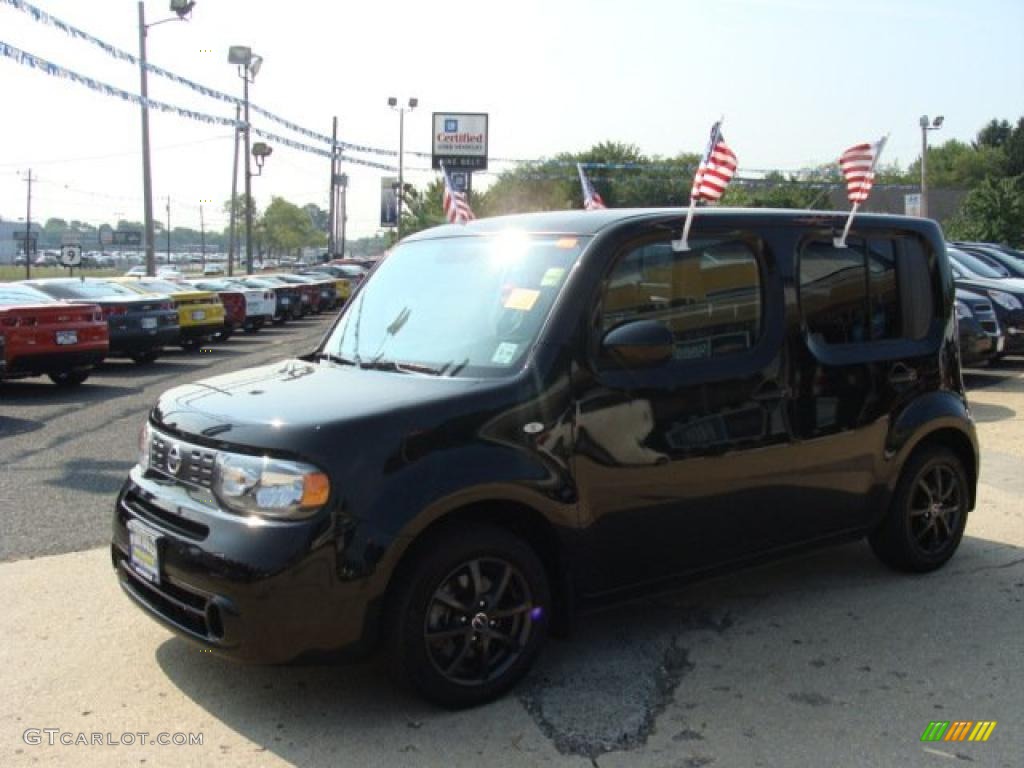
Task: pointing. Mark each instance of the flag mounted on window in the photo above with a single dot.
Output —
(591, 199)
(456, 206)
(717, 167)
(858, 167)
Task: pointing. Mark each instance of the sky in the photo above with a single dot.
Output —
(797, 81)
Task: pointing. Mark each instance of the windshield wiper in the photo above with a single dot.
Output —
(400, 367)
(336, 359)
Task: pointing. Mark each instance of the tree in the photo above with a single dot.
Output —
(317, 216)
(239, 215)
(288, 227)
(992, 212)
(957, 165)
(995, 134)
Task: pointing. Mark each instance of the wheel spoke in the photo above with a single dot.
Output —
(459, 657)
(924, 486)
(508, 612)
(448, 600)
(505, 639)
(940, 522)
(937, 475)
(498, 592)
(478, 582)
(446, 634)
(918, 511)
(920, 535)
(485, 652)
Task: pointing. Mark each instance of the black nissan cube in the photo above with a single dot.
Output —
(529, 416)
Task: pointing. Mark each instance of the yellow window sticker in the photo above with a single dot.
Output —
(522, 299)
(552, 277)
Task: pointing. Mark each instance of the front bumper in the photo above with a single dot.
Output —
(264, 593)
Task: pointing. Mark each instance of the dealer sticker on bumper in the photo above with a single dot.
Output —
(144, 554)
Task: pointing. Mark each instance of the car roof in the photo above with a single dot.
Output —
(581, 222)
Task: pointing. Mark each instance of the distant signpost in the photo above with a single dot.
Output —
(71, 255)
(126, 237)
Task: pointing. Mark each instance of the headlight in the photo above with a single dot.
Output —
(962, 310)
(270, 487)
(144, 439)
(1005, 300)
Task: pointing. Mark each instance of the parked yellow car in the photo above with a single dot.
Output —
(200, 313)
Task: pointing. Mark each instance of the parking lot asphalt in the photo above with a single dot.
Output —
(825, 659)
(65, 452)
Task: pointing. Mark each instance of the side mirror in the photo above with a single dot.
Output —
(638, 344)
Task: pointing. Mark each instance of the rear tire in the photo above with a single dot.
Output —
(928, 514)
(468, 616)
(68, 378)
(145, 358)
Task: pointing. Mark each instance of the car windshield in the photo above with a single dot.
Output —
(85, 289)
(469, 306)
(975, 266)
(13, 295)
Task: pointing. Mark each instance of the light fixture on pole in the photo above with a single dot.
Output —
(926, 126)
(411, 105)
(249, 65)
(182, 9)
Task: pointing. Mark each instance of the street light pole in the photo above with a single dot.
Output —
(934, 125)
(412, 104)
(168, 230)
(248, 178)
(182, 8)
(147, 179)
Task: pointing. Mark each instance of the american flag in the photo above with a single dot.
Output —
(456, 206)
(858, 167)
(591, 200)
(716, 168)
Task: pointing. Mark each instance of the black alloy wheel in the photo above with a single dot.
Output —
(928, 514)
(478, 621)
(467, 615)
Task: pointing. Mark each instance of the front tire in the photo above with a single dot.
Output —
(468, 617)
(926, 520)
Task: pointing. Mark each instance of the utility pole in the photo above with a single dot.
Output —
(344, 213)
(28, 228)
(202, 235)
(332, 212)
(233, 237)
(168, 229)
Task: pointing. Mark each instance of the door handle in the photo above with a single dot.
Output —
(900, 374)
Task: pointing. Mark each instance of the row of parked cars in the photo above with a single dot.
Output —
(64, 327)
(989, 300)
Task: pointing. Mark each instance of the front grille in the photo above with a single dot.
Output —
(162, 518)
(990, 327)
(183, 461)
(179, 605)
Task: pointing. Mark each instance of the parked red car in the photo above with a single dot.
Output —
(45, 336)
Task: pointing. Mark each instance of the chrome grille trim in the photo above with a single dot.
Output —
(196, 462)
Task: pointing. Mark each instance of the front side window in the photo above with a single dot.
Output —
(709, 296)
(460, 306)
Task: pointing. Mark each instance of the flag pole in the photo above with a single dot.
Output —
(840, 242)
(682, 244)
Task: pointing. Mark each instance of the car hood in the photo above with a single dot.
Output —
(294, 405)
(1014, 285)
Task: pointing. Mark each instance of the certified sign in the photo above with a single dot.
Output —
(71, 255)
(460, 141)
